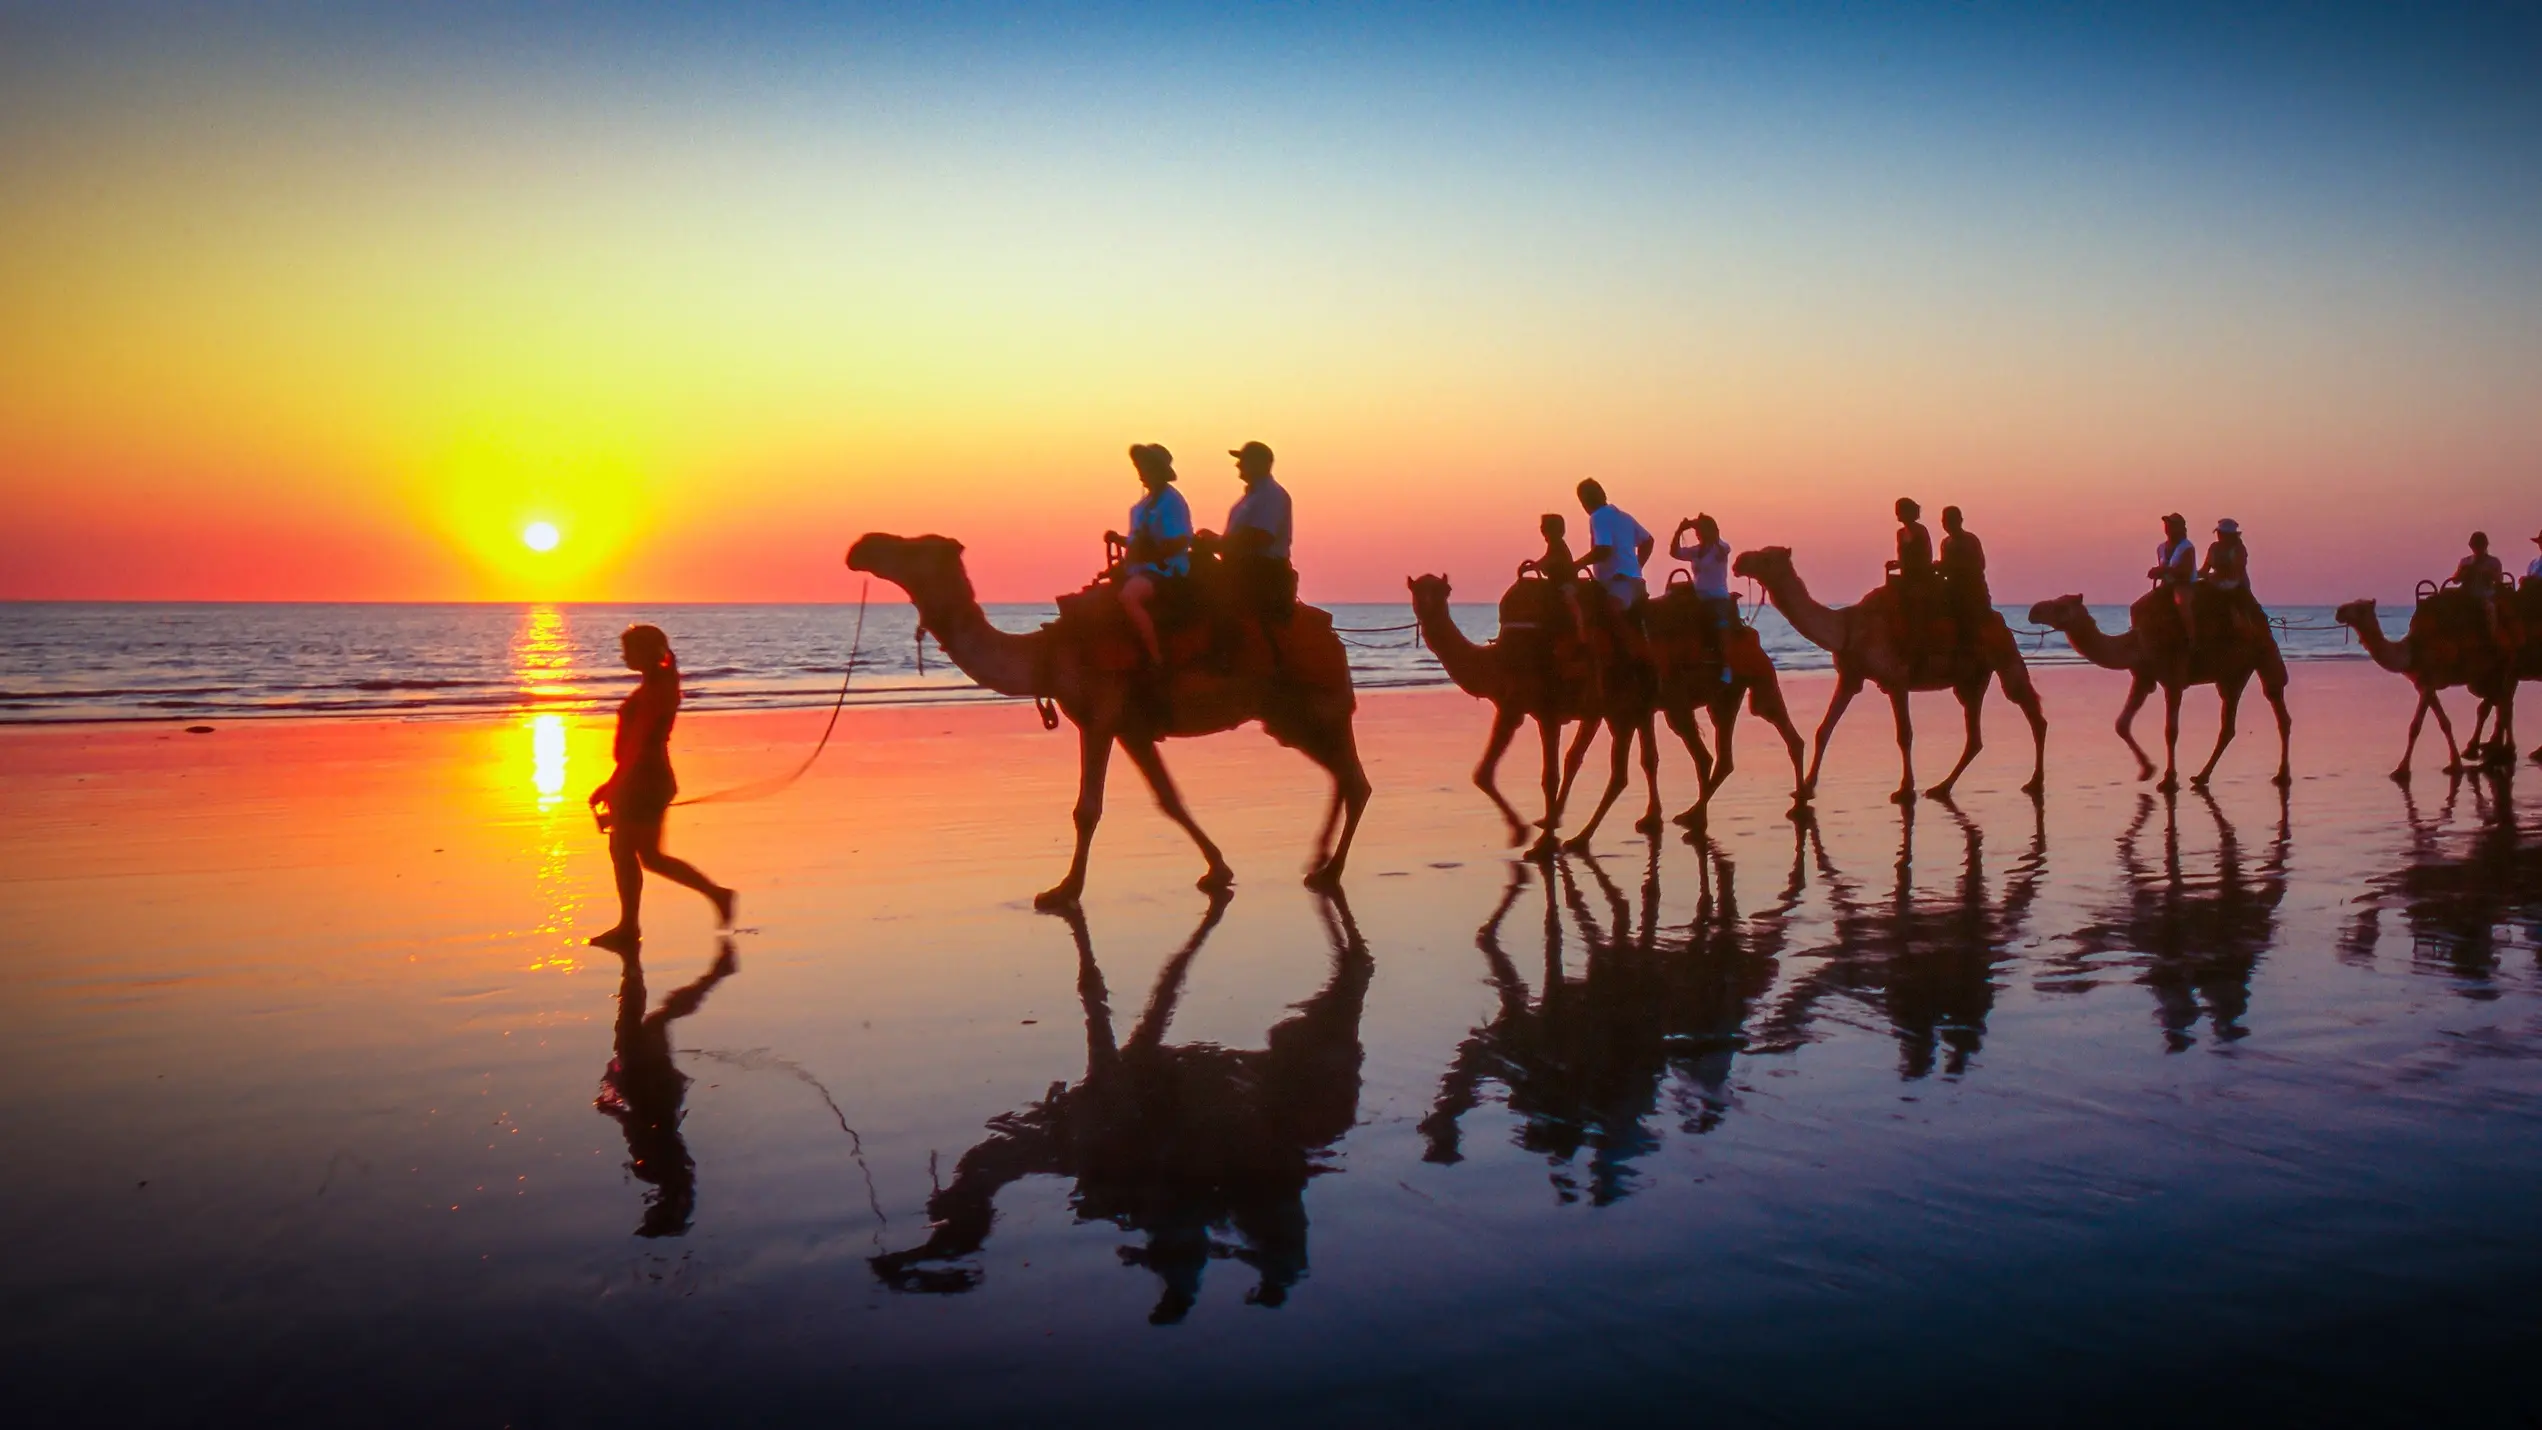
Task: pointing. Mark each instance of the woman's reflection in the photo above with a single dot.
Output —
(2195, 942)
(644, 1089)
(1582, 1060)
(1179, 1142)
(2456, 892)
(1926, 964)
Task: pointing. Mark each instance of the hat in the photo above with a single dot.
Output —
(1152, 456)
(2171, 517)
(1251, 449)
(2537, 538)
(2228, 527)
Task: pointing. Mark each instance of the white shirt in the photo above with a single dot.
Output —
(1711, 563)
(1163, 517)
(2180, 557)
(1265, 508)
(2534, 571)
(1620, 570)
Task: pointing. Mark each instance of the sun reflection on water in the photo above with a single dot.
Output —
(542, 666)
(547, 759)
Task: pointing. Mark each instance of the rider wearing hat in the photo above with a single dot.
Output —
(1964, 575)
(2176, 570)
(2483, 577)
(1256, 548)
(1160, 543)
(2533, 569)
(2228, 571)
(1914, 572)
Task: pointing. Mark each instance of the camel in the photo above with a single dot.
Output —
(2438, 653)
(1864, 638)
(1688, 672)
(1524, 683)
(1307, 709)
(2500, 745)
(2150, 651)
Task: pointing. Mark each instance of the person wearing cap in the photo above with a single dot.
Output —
(1256, 546)
(1964, 575)
(1709, 558)
(1160, 543)
(1618, 545)
(2228, 570)
(1914, 572)
(2533, 568)
(2482, 576)
(2176, 570)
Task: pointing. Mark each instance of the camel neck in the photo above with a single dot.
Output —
(2111, 652)
(1465, 662)
(998, 660)
(2390, 654)
(1817, 624)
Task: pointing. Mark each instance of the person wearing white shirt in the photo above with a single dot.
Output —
(1259, 531)
(1709, 558)
(1160, 542)
(2176, 570)
(1618, 545)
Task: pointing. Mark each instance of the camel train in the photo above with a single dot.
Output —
(1135, 666)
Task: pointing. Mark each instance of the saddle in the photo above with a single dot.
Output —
(2450, 615)
(1681, 631)
(1535, 618)
(1205, 628)
(2217, 613)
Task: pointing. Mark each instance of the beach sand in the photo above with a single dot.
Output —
(1998, 1110)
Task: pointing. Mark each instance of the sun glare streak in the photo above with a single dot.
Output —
(543, 657)
(547, 758)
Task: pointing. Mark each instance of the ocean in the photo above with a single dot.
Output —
(82, 661)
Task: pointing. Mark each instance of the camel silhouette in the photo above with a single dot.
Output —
(1582, 1060)
(2153, 652)
(1304, 701)
(1528, 672)
(1867, 640)
(2457, 889)
(1177, 1142)
(1688, 667)
(2194, 940)
(2448, 645)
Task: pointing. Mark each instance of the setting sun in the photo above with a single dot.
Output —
(540, 536)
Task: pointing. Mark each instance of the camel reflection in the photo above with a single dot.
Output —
(644, 1090)
(1926, 964)
(1583, 1060)
(2465, 897)
(2195, 942)
(1179, 1142)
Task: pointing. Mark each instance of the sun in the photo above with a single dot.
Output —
(540, 536)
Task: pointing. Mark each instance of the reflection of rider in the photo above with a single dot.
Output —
(1914, 572)
(1963, 569)
(2228, 572)
(644, 1089)
(1256, 548)
(1159, 543)
(2176, 570)
(1709, 558)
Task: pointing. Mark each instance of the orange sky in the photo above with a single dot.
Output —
(336, 321)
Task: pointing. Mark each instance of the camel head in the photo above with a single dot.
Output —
(2355, 613)
(2063, 613)
(1428, 592)
(909, 562)
(1765, 563)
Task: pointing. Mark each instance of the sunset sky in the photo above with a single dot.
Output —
(331, 302)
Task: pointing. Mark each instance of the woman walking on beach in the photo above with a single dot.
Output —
(635, 800)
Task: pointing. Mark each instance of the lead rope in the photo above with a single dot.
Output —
(765, 788)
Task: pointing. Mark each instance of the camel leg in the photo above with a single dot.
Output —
(2170, 739)
(2137, 692)
(2015, 679)
(2418, 719)
(1340, 754)
(1905, 720)
(1572, 757)
(1549, 750)
(1725, 724)
(1143, 753)
(1972, 705)
(1619, 774)
(1505, 723)
(1647, 733)
(1848, 685)
(1682, 720)
(2230, 692)
(2273, 686)
(1766, 701)
(1094, 762)
(2445, 727)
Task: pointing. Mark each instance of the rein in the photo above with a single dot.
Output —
(765, 788)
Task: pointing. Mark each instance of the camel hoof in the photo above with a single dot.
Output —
(2401, 776)
(2170, 784)
(1940, 792)
(1063, 897)
(1543, 850)
(2281, 779)
(1649, 824)
(1693, 818)
(2038, 786)
(1217, 881)
(1904, 796)
(1324, 878)
(1576, 844)
(2198, 783)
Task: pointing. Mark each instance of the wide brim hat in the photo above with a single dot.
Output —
(2228, 527)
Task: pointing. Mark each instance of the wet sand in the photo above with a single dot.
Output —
(2093, 1109)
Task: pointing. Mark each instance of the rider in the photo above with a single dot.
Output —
(1914, 572)
(2533, 569)
(2482, 576)
(2228, 571)
(1618, 545)
(1964, 576)
(1159, 543)
(1710, 558)
(2176, 570)
(1256, 548)
(1560, 567)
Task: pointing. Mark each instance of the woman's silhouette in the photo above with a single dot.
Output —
(636, 798)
